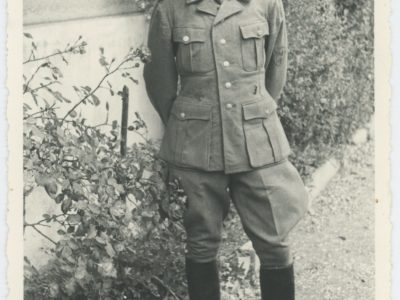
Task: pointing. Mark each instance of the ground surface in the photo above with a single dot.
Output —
(334, 244)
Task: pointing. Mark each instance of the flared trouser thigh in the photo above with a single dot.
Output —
(270, 202)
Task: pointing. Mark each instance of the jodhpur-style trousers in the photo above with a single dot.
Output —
(270, 201)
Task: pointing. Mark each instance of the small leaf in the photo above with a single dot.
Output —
(66, 205)
(28, 35)
(70, 287)
(27, 106)
(73, 244)
(103, 61)
(94, 208)
(64, 60)
(119, 207)
(87, 88)
(107, 268)
(147, 214)
(134, 80)
(46, 216)
(100, 240)
(110, 250)
(59, 198)
(57, 71)
(74, 219)
(73, 114)
(81, 272)
(51, 188)
(59, 96)
(92, 232)
(96, 100)
(81, 204)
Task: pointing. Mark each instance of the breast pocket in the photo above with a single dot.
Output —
(194, 53)
(252, 45)
(266, 141)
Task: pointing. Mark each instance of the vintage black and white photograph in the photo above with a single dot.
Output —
(198, 149)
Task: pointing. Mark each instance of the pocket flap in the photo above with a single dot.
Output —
(190, 111)
(256, 110)
(188, 35)
(256, 30)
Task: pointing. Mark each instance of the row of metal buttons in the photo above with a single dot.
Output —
(226, 63)
(228, 85)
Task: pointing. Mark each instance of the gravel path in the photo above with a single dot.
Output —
(334, 245)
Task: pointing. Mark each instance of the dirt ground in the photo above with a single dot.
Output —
(334, 245)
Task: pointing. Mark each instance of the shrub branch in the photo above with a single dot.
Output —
(43, 235)
(99, 85)
(71, 49)
(165, 286)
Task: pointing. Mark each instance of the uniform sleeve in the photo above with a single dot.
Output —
(276, 50)
(160, 74)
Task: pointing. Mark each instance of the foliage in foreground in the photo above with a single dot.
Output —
(119, 223)
(121, 235)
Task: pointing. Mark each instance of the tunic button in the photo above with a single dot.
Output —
(259, 32)
(222, 41)
(267, 111)
(226, 63)
(183, 115)
(185, 38)
(228, 85)
(228, 105)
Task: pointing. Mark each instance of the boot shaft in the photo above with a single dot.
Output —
(203, 280)
(277, 284)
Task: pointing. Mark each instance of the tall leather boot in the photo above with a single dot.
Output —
(277, 284)
(203, 280)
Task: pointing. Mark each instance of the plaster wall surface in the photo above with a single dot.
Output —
(42, 11)
(116, 34)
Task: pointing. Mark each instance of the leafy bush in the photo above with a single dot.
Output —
(119, 222)
(329, 92)
(121, 235)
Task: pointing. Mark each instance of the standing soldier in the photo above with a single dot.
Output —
(223, 138)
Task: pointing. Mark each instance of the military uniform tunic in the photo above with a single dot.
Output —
(231, 60)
